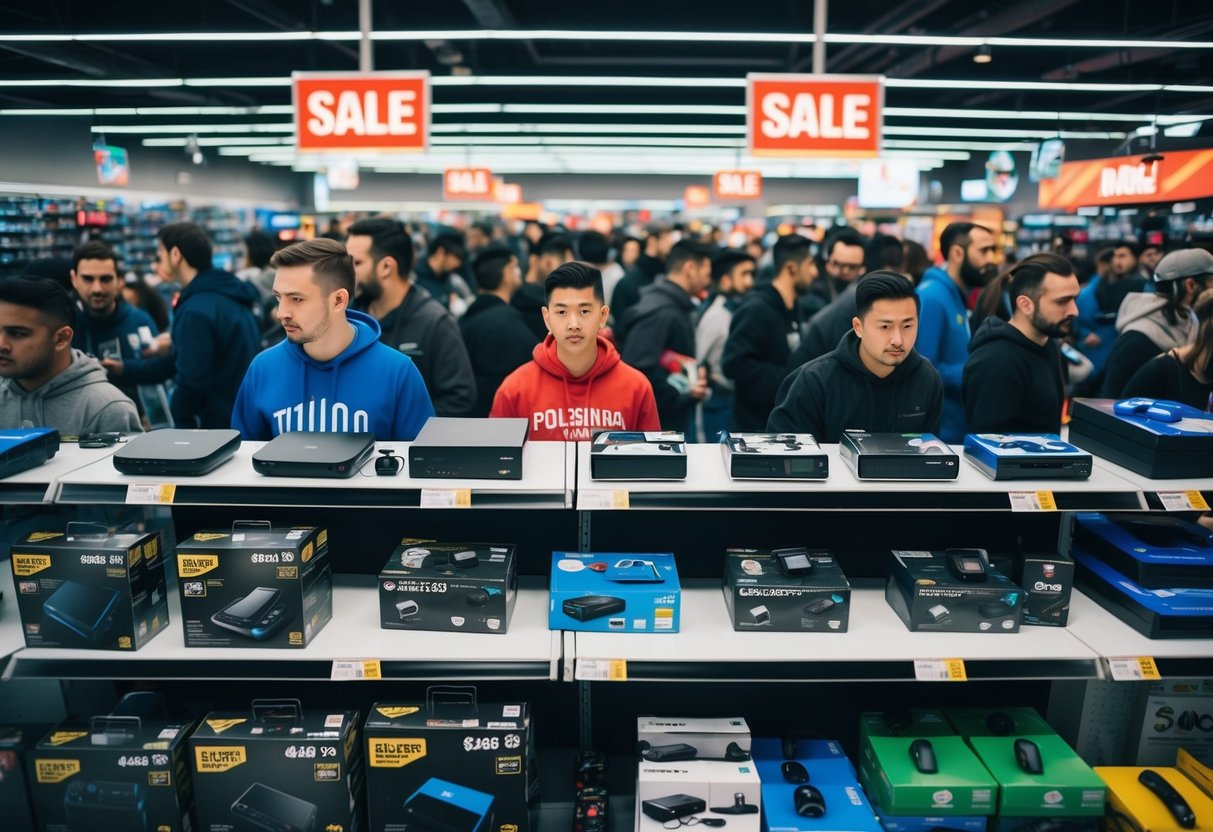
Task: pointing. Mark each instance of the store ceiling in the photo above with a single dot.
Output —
(942, 121)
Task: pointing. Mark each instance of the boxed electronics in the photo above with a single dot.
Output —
(614, 592)
(952, 590)
(25, 448)
(255, 586)
(468, 449)
(1160, 612)
(671, 739)
(1047, 579)
(278, 767)
(1160, 798)
(87, 588)
(1151, 550)
(1026, 456)
(786, 590)
(713, 792)
(820, 792)
(636, 455)
(125, 770)
(898, 456)
(452, 587)
(1171, 714)
(774, 456)
(452, 764)
(16, 744)
(1172, 443)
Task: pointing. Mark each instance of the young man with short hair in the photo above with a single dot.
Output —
(576, 382)
(549, 251)
(443, 259)
(331, 373)
(873, 380)
(497, 338)
(732, 278)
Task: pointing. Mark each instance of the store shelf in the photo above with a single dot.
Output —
(1151, 488)
(529, 650)
(546, 484)
(11, 637)
(708, 486)
(876, 647)
(1110, 637)
(39, 485)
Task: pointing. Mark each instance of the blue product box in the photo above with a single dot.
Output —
(1026, 456)
(1156, 552)
(824, 760)
(440, 804)
(614, 592)
(846, 809)
(1177, 612)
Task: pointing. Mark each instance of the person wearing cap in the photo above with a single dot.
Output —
(1150, 323)
(1182, 374)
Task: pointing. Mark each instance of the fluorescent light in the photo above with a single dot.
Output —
(590, 35)
(448, 109)
(284, 81)
(627, 109)
(606, 129)
(582, 81)
(903, 130)
(1183, 131)
(656, 141)
(1035, 115)
(91, 82)
(194, 128)
(1057, 86)
(225, 141)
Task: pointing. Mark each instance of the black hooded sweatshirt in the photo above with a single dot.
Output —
(835, 392)
(762, 335)
(1011, 385)
(498, 342)
(661, 321)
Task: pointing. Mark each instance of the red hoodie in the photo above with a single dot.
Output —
(563, 407)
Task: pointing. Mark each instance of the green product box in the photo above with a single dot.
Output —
(1066, 788)
(925, 722)
(995, 722)
(961, 786)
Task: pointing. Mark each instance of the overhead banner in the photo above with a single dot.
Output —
(814, 115)
(1179, 176)
(737, 184)
(468, 185)
(367, 111)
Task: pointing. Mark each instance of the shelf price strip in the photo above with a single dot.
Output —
(446, 498)
(348, 670)
(1183, 501)
(600, 498)
(154, 493)
(1133, 668)
(1032, 501)
(940, 670)
(602, 670)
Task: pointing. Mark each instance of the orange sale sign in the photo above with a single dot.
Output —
(351, 111)
(737, 184)
(469, 184)
(814, 115)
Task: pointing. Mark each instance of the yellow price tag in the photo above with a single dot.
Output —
(1198, 501)
(620, 499)
(371, 669)
(154, 493)
(446, 498)
(956, 670)
(618, 670)
(940, 670)
(602, 670)
(1133, 668)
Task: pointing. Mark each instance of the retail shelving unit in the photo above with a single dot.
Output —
(41, 484)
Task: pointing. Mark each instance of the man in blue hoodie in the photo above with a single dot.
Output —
(331, 373)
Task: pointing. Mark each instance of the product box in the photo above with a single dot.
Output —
(824, 760)
(952, 590)
(669, 739)
(450, 763)
(255, 586)
(1047, 579)
(451, 587)
(898, 456)
(26, 448)
(1155, 551)
(1172, 714)
(917, 722)
(114, 772)
(1146, 810)
(789, 590)
(998, 722)
(614, 592)
(1040, 776)
(87, 588)
(637, 455)
(1177, 612)
(278, 767)
(774, 456)
(1150, 446)
(829, 772)
(1026, 456)
(16, 743)
(928, 823)
(695, 791)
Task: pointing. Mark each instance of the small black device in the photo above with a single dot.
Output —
(819, 606)
(1027, 754)
(672, 807)
(1173, 800)
(787, 744)
(794, 772)
(1000, 723)
(177, 452)
(923, 754)
(994, 609)
(739, 807)
(407, 608)
(638, 455)
(477, 598)
(588, 607)
(105, 806)
(793, 561)
(267, 808)
(967, 565)
(314, 454)
(259, 615)
(898, 720)
(897, 456)
(388, 464)
(26, 448)
(809, 801)
(84, 609)
(774, 456)
(107, 439)
(669, 753)
(484, 449)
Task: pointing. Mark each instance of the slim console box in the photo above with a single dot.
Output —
(177, 452)
(1169, 443)
(279, 768)
(952, 590)
(898, 456)
(638, 455)
(255, 586)
(468, 449)
(25, 448)
(86, 588)
(451, 587)
(314, 454)
(774, 456)
(786, 590)
(614, 592)
(1153, 551)
(1026, 456)
(1161, 612)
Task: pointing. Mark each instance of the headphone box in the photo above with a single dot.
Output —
(1144, 810)
(760, 598)
(614, 592)
(449, 587)
(715, 790)
(926, 595)
(87, 589)
(704, 736)
(255, 586)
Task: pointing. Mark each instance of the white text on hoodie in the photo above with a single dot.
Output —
(577, 421)
(319, 416)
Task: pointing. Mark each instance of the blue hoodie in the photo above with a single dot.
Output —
(368, 387)
(943, 339)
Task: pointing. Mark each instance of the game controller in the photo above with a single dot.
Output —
(1036, 444)
(1160, 410)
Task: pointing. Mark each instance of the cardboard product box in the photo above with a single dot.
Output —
(1047, 579)
(255, 586)
(1151, 447)
(1064, 786)
(846, 809)
(614, 592)
(450, 587)
(910, 823)
(1153, 551)
(113, 772)
(824, 760)
(16, 743)
(998, 722)
(670, 739)
(917, 722)
(423, 758)
(761, 595)
(1144, 810)
(638, 455)
(704, 789)
(927, 594)
(87, 588)
(1177, 612)
(278, 767)
(1172, 714)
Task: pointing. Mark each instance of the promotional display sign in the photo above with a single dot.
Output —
(1180, 175)
(814, 115)
(507, 193)
(468, 184)
(737, 184)
(361, 111)
(697, 196)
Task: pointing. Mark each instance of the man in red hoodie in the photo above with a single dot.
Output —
(576, 384)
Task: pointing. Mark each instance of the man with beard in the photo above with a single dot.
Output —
(1014, 379)
(732, 278)
(331, 374)
(943, 335)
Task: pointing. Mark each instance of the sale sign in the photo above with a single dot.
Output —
(814, 115)
(468, 184)
(1177, 176)
(369, 111)
(696, 196)
(737, 184)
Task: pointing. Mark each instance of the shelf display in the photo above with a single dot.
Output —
(448, 587)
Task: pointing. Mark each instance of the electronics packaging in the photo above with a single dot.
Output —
(16, 744)
(255, 586)
(451, 764)
(1150, 446)
(670, 739)
(1156, 810)
(1026, 456)
(774, 456)
(1176, 612)
(26, 448)
(829, 772)
(924, 589)
(1153, 551)
(450, 587)
(86, 588)
(763, 596)
(1047, 579)
(1173, 714)
(468, 449)
(637, 455)
(898, 456)
(711, 790)
(614, 592)
(277, 767)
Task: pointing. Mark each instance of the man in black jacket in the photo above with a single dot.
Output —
(497, 338)
(764, 331)
(649, 264)
(873, 380)
(1013, 380)
(411, 319)
(661, 335)
(551, 251)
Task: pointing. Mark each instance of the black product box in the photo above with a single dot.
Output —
(1153, 448)
(638, 455)
(16, 744)
(113, 772)
(255, 587)
(774, 456)
(1047, 579)
(451, 587)
(482, 754)
(898, 456)
(278, 768)
(1155, 551)
(813, 595)
(925, 591)
(468, 449)
(87, 588)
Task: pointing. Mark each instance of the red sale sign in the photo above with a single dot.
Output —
(350, 111)
(737, 184)
(813, 115)
(469, 184)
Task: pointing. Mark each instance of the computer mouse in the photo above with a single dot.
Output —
(794, 772)
(923, 755)
(478, 598)
(1027, 754)
(1000, 724)
(788, 747)
(597, 566)
(808, 801)
(734, 753)
(1173, 800)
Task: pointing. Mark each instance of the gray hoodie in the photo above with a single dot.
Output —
(78, 400)
(1142, 312)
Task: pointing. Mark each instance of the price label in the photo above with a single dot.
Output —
(1183, 501)
(602, 670)
(940, 670)
(1133, 668)
(1032, 501)
(345, 670)
(446, 498)
(158, 493)
(599, 498)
